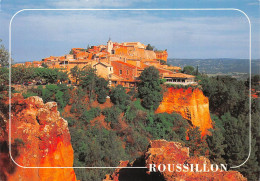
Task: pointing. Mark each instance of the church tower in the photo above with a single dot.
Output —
(109, 46)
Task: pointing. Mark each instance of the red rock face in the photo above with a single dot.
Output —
(40, 138)
(163, 152)
(191, 104)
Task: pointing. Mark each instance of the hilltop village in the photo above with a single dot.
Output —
(120, 63)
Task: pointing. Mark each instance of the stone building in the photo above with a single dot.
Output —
(179, 78)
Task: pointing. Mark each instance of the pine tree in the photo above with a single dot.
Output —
(197, 70)
(195, 142)
(234, 139)
(75, 73)
(149, 88)
(216, 146)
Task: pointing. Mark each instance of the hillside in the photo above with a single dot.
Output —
(221, 65)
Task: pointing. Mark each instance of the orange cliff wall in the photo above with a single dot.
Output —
(191, 104)
(44, 141)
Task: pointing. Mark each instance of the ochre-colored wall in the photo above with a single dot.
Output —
(191, 104)
(124, 67)
(102, 71)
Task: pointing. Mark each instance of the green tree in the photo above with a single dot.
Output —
(22, 74)
(254, 82)
(149, 88)
(79, 103)
(4, 77)
(95, 86)
(49, 75)
(234, 139)
(162, 62)
(48, 94)
(197, 71)
(4, 55)
(88, 80)
(112, 116)
(59, 98)
(62, 76)
(95, 147)
(196, 143)
(216, 146)
(75, 73)
(101, 89)
(161, 127)
(225, 94)
(66, 94)
(188, 70)
(119, 97)
(149, 47)
(88, 115)
(237, 150)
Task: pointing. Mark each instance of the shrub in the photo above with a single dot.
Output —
(90, 114)
(119, 97)
(29, 94)
(111, 115)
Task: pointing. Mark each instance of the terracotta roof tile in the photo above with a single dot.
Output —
(180, 75)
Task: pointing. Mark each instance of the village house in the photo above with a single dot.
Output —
(180, 78)
(119, 63)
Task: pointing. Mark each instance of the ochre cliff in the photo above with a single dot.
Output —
(190, 103)
(39, 138)
(163, 152)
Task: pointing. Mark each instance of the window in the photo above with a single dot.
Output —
(120, 72)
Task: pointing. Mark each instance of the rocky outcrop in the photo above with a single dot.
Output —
(163, 152)
(39, 138)
(190, 103)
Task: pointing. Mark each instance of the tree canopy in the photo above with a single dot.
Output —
(149, 88)
(188, 70)
(4, 55)
(149, 47)
(119, 97)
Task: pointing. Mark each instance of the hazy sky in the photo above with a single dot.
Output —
(185, 34)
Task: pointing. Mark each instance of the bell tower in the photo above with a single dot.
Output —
(109, 46)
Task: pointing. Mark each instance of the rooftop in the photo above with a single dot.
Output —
(180, 75)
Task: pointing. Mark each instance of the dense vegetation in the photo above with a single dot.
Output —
(229, 101)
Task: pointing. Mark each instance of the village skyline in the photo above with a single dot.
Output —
(119, 63)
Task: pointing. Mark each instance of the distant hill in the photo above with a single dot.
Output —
(221, 65)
